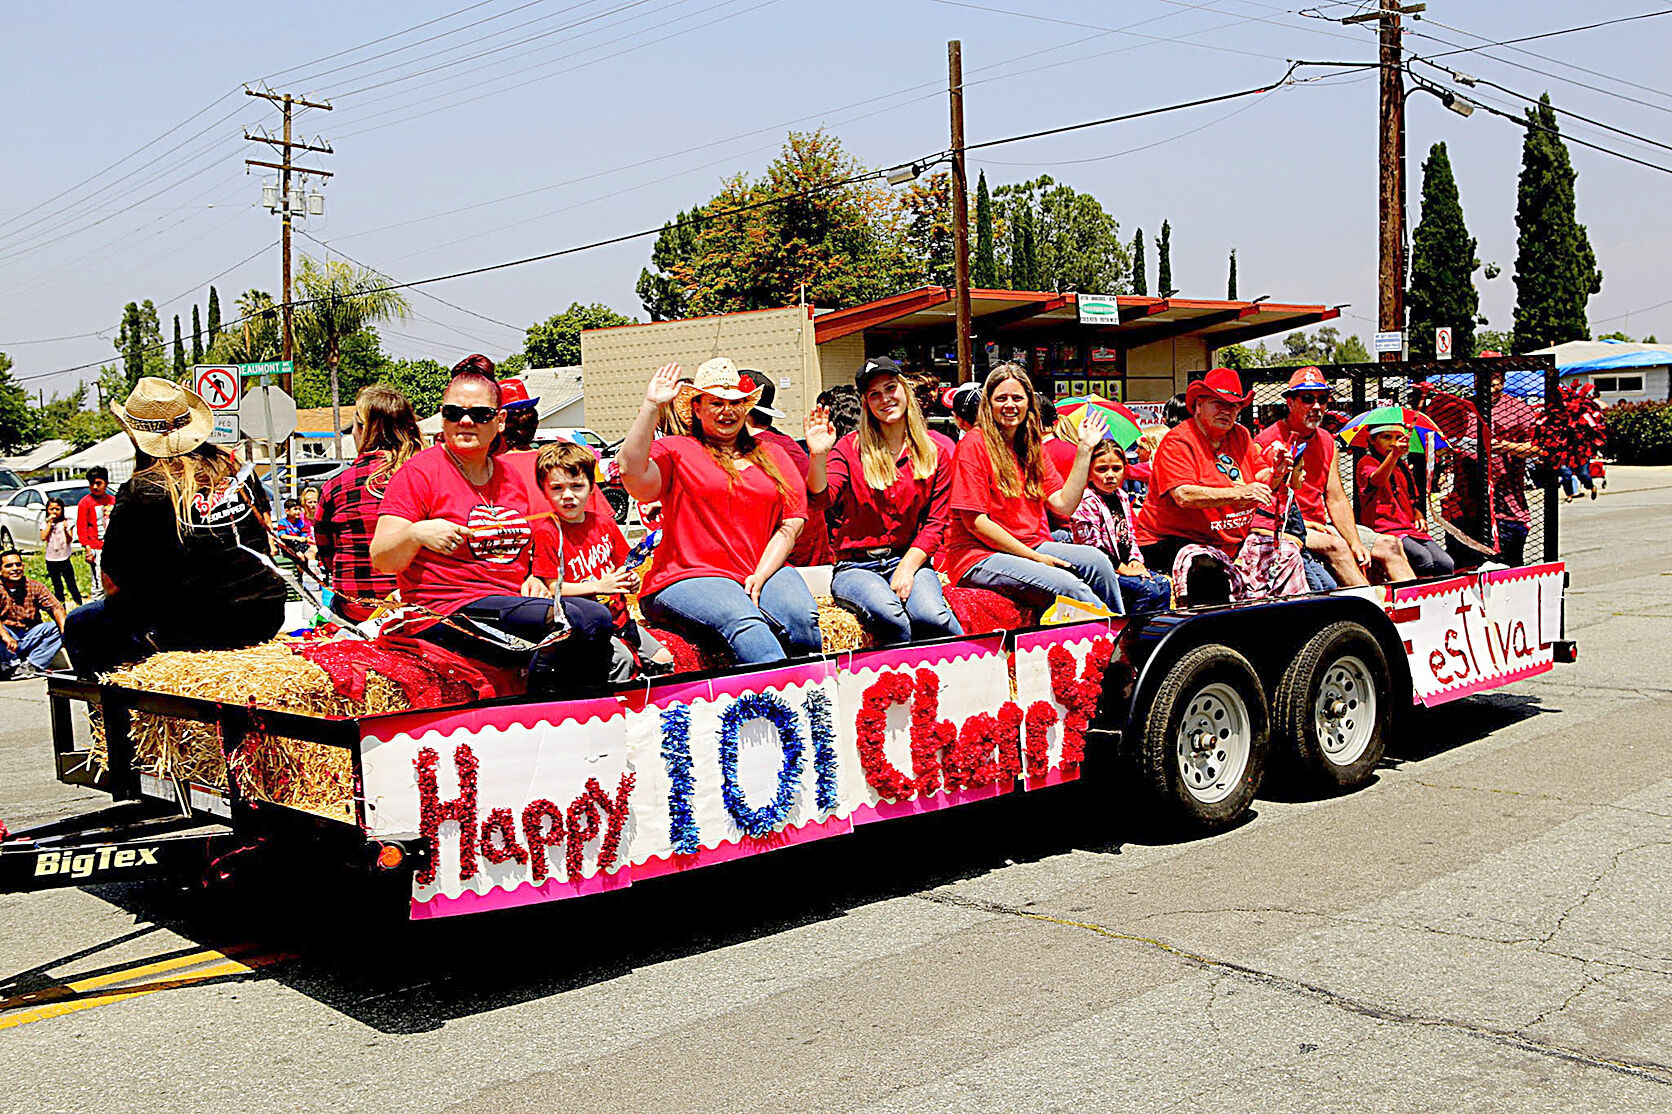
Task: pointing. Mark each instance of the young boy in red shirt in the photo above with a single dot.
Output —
(579, 552)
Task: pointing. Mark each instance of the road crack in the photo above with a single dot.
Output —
(1649, 1070)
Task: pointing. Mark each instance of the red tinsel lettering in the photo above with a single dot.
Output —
(929, 734)
(986, 750)
(1037, 747)
(1078, 694)
(433, 811)
(502, 822)
(535, 814)
(871, 725)
(584, 824)
(616, 811)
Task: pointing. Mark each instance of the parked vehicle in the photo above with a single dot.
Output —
(9, 480)
(23, 512)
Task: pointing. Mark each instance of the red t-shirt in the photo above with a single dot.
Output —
(590, 548)
(974, 489)
(1318, 451)
(92, 516)
(1389, 507)
(495, 563)
(1185, 457)
(813, 546)
(712, 524)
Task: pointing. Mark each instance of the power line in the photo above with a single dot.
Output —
(427, 294)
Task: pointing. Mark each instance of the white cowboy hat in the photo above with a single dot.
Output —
(163, 418)
(718, 377)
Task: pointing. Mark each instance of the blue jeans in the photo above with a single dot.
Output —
(38, 646)
(1089, 578)
(863, 585)
(786, 624)
(1146, 593)
(579, 663)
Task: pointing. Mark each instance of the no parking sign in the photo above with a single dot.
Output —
(218, 385)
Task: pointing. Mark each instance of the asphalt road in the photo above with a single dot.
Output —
(1486, 927)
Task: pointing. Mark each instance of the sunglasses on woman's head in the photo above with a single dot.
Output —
(481, 415)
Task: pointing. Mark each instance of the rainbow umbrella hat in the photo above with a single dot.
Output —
(1426, 435)
(1122, 423)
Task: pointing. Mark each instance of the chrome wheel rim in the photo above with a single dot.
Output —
(1213, 742)
(1344, 712)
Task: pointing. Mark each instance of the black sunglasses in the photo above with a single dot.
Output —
(481, 415)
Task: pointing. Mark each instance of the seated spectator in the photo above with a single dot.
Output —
(887, 486)
(31, 622)
(295, 528)
(1208, 478)
(454, 530)
(732, 508)
(386, 436)
(1387, 495)
(184, 561)
(583, 553)
(310, 503)
(813, 546)
(1325, 511)
(842, 404)
(1103, 520)
(964, 401)
(1002, 486)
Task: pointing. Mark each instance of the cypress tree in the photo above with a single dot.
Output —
(197, 337)
(1164, 262)
(1024, 270)
(1555, 268)
(130, 341)
(1140, 270)
(984, 268)
(1231, 282)
(1443, 263)
(214, 315)
(179, 352)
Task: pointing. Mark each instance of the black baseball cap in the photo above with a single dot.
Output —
(876, 365)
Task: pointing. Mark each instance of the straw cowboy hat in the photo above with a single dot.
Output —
(718, 377)
(163, 418)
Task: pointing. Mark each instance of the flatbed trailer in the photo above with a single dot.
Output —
(517, 801)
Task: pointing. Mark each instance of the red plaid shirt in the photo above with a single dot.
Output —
(347, 518)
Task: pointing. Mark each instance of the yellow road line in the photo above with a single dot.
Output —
(68, 998)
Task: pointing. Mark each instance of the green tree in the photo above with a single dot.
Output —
(984, 267)
(1555, 269)
(1079, 245)
(1325, 345)
(179, 353)
(341, 299)
(361, 363)
(1443, 263)
(556, 342)
(20, 426)
(926, 206)
(71, 419)
(256, 336)
(1490, 340)
(1164, 262)
(423, 382)
(1231, 282)
(514, 364)
(130, 341)
(1351, 350)
(1022, 265)
(214, 315)
(197, 336)
(663, 292)
(1140, 276)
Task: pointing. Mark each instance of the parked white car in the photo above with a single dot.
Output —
(23, 513)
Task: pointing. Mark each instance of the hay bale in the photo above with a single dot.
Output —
(271, 768)
(841, 628)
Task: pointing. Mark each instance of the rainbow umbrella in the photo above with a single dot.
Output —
(1427, 435)
(1123, 423)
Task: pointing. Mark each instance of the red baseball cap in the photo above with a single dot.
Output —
(1222, 383)
(1308, 379)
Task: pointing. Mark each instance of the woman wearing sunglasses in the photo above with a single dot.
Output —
(732, 508)
(454, 530)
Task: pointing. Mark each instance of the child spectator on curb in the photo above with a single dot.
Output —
(59, 539)
(92, 517)
(580, 552)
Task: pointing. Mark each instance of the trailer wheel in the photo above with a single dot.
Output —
(1332, 707)
(1204, 739)
(619, 503)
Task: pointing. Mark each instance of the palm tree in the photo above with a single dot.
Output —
(256, 335)
(338, 300)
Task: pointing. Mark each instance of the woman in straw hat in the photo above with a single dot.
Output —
(888, 482)
(1002, 486)
(732, 508)
(185, 565)
(454, 528)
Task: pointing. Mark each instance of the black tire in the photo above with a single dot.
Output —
(1330, 747)
(619, 503)
(1209, 686)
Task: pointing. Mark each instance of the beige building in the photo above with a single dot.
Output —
(1130, 347)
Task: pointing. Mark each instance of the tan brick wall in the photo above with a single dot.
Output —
(616, 363)
(839, 359)
(1156, 372)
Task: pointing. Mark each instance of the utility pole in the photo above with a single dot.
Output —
(960, 210)
(1390, 287)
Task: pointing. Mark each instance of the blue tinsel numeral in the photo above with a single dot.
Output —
(676, 756)
(817, 706)
(772, 708)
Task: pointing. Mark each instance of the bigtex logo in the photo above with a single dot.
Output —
(79, 864)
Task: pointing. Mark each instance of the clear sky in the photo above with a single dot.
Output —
(553, 122)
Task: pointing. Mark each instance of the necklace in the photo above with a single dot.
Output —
(459, 464)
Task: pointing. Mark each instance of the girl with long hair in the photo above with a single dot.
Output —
(1103, 521)
(59, 539)
(185, 554)
(888, 484)
(732, 508)
(1003, 485)
(386, 436)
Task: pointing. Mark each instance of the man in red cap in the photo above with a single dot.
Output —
(1208, 476)
(1331, 531)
